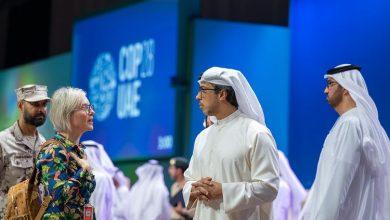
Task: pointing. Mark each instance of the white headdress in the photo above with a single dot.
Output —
(376, 144)
(247, 101)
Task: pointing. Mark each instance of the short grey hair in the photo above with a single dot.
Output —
(63, 102)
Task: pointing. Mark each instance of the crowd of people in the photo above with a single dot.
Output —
(235, 172)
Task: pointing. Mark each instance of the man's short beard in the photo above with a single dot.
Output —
(34, 120)
(337, 97)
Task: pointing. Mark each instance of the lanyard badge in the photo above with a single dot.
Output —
(88, 212)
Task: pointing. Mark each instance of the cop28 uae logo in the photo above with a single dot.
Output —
(108, 88)
(102, 86)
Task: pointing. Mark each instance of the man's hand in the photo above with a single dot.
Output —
(206, 189)
(179, 208)
(199, 192)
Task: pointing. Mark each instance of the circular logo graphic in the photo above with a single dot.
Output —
(102, 86)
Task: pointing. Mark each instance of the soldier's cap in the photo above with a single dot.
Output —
(32, 93)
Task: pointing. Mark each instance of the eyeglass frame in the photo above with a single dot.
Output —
(88, 108)
(203, 90)
(331, 83)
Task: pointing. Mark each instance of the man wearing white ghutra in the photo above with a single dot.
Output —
(353, 173)
(233, 172)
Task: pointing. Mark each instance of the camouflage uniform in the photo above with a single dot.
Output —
(16, 159)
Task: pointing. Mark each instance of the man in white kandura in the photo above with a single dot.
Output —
(149, 197)
(352, 180)
(233, 172)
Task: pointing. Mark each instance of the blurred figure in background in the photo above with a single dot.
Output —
(121, 203)
(177, 166)
(103, 169)
(149, 197)
(19, 143)
(111, 185)
(288, 202)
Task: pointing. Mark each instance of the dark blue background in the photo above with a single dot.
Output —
(324, 34)
(261, 53)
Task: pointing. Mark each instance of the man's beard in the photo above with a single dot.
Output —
(336, 97)
(36, 120)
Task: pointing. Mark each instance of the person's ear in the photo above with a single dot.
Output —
(20, 105)
(222, 94)
(345, 92)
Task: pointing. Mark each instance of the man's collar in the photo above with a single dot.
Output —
(228, 118)
(17, 132)
(21, 139)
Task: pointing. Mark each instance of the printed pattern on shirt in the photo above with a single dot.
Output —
(68, 184)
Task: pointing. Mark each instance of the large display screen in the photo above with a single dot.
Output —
(261, 53)
(125, 60)
(54, 73)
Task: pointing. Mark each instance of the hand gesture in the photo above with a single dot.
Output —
(206, 189)
(179, 208)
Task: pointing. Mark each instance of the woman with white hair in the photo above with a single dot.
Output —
(65, 175)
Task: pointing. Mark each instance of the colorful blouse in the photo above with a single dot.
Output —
(68, 184)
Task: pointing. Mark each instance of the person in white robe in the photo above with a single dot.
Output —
(282, 202)
(352, 180)
(102, 197)
(111, 185)
(233, 172)
(291, 194)
(121, 202)
(149, 196)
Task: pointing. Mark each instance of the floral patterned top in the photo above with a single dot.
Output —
(64, 179)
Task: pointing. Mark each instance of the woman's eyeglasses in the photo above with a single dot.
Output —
(88, 108)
